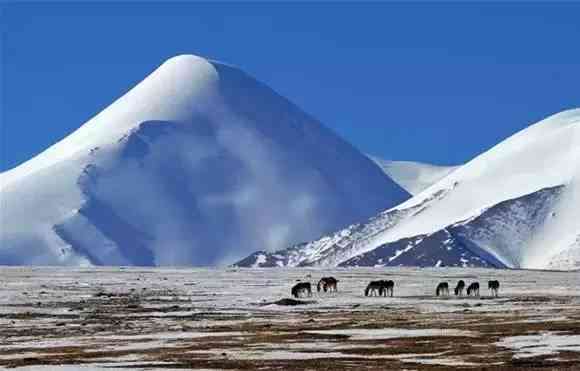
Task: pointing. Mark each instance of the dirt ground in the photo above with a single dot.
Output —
(225, 320)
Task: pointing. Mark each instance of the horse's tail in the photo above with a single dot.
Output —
(367, 290)
(437, 290)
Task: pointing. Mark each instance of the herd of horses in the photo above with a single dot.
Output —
(472, 290)
(387, 288)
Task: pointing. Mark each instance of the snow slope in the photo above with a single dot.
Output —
(516, 205)
(413, 176)
(198, 164)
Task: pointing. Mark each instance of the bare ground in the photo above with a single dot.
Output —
(165, 320)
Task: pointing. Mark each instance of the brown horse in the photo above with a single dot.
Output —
(300, 288)
(327, 284)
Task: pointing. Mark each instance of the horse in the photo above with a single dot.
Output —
(382, 287)
(388, 287)
(473, 289)
(442, 289)
(459, 288)
(327, 284)
(301, 287)
(493, 285)
(374, 287)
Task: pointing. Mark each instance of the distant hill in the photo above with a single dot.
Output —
(516, 205)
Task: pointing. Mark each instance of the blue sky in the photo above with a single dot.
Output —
(416, 81)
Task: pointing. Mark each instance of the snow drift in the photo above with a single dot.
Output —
(199, 164)
(516, 205)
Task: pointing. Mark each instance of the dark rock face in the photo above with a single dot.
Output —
(438, 249)
(475, 242)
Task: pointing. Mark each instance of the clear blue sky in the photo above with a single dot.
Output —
(429, 82)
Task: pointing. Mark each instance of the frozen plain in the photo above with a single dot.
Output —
(221, 319)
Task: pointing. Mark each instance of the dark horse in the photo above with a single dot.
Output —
(459, 288)
(389, 287)
(442, 289)
(374, 287)
(327, 284)
(473, 289)
(300, 288)
(493, 285)
(382, 288)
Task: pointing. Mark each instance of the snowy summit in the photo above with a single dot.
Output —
(199, 164)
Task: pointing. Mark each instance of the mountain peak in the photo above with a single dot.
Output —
(186, 68)
(198, 164)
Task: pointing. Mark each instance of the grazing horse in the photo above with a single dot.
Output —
(442, 289)
(381, 287)
(473, 289)
(327, 284)
(300, 288)
(493, 285)
(374, 287)
(459, 288)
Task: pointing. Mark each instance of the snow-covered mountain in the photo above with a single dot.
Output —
(414, 177)
(198, 164)
(516, 205)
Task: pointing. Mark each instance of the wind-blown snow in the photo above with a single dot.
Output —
(198, 164)
(516, 205)
(413, 176)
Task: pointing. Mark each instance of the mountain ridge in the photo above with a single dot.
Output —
(509, 203)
